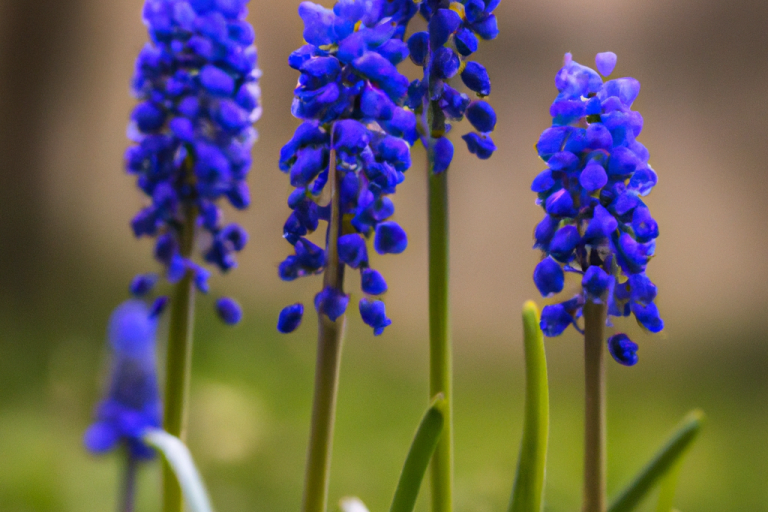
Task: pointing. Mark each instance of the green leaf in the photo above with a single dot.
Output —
(661, 464)
(180, 461)
(668, 487)
(422, 448)
(528, 490)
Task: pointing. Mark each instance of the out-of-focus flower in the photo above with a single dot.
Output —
(132, 404)
(197, 86)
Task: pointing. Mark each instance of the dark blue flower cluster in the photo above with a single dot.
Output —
(197, 83)
(132, 404)
(596, 222)
(350, 96)
(451, 37)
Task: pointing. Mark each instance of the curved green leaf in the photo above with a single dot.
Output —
(180, 461)
(668, 487)
(422, 448)
(670, 454)
(528, 490)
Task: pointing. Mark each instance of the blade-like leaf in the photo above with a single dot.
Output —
(668, 487)
(528, 490)
(180, 460)
(660, 465)
(422, 447)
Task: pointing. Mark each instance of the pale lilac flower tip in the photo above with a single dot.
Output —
(605, 62)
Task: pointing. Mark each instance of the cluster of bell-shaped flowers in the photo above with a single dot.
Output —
(197, 83)
(132, 404)
(596, 222)
(350, 96)
(453, 31)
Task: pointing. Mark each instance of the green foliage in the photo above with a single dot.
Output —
(660, 466)
(422, 448)
(180, 460)
(528, 490)
(668, 488)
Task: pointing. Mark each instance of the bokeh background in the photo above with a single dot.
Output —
(67, 255)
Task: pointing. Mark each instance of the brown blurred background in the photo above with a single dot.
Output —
(67, 251)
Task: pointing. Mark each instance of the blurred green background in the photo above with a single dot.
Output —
(67, 255)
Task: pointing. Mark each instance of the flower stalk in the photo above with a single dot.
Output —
(594, 408)
(129, 483)
(329, 342)
(179, 362)
(440, 365)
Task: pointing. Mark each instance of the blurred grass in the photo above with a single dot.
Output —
(251, 405)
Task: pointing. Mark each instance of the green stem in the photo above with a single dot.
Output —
(128, 498)
(440, 367)
(594, 424)
(179, 361)
(329, 341)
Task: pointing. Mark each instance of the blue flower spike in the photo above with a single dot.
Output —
(198, 91)
(596, 223)
(353, 104)
(132, 403)
(443, 52)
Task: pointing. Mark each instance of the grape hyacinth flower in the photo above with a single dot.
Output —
(132, 404)
(350, 97)
(197, 84)
(596, 223)
(443, 51)
(344, 161)
(454, 29)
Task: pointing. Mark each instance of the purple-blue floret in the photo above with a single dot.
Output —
(290, 318)
(229, 310)
(373, 313)
(142, 284)
(622, 349)
(548, 277)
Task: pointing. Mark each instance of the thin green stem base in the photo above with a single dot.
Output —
(330, 336)
(128, 498)
(440, 364)
(594, 408)
(329, 341)
(179, 363)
